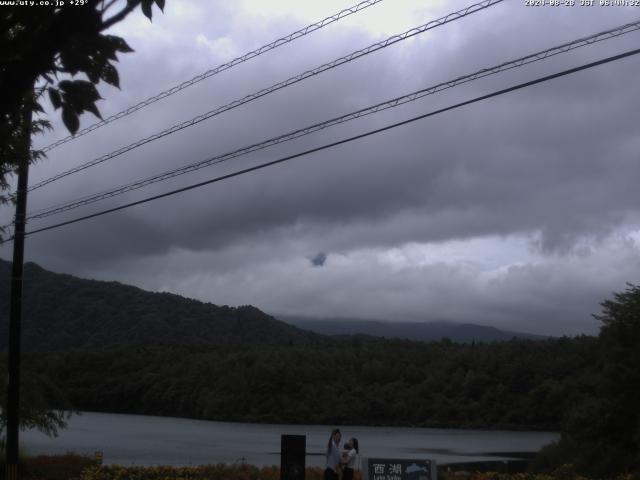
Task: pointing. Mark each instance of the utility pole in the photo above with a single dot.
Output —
(15, 315)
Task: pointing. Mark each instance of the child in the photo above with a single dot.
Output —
(351, 459)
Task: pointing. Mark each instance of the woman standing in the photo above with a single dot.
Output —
(333, 455)
(351, 460)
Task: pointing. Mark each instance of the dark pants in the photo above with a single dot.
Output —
(348, 473)
(330, 474)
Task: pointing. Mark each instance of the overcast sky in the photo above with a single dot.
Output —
(520, 212)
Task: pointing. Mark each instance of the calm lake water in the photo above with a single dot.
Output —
(146, 440)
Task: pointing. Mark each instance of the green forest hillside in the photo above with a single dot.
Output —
(62, 312)
(363, 381)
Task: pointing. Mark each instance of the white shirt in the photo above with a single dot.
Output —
(352, 459)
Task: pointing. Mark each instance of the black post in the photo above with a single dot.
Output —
(15, 316)
(293, 449)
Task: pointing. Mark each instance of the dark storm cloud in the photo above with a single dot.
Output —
(459, 161)
(319, 259)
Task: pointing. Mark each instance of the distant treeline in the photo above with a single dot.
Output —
(519, 384)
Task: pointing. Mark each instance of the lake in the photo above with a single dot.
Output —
(147, 440)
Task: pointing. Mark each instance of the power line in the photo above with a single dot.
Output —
(605, 35)
(340, 142)
(214, 71)
(309, 73)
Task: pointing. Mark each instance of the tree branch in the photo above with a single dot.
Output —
(118, 16)
(107, 6)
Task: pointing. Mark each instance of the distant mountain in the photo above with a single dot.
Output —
(425, 332)
(62, 312)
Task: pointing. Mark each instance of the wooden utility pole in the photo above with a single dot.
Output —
(15, 315)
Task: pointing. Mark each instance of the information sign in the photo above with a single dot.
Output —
(401, 469)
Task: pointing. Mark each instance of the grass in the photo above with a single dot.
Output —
(52, 467)
(77, 467)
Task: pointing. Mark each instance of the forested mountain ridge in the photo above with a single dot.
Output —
(431, 331)
(63, 312)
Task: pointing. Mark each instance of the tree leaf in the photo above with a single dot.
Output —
(79, 97)
(65, 85)
(74, 57)
(109, 51)
(93, 73)
(110, 75)
(93, 109)
(54, 96)
(146, 8)
(70, 119)
(81, 91)
(40, 125)
(119, 43)
(37, 155)
(37, 107)
(160, 4)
